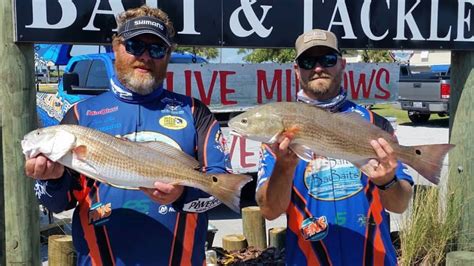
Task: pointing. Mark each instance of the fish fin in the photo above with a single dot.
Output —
(172, 152)
(227, 188)
(80, 152)
(291, 131)
(428, 160)
(302, 151)
(64, 142)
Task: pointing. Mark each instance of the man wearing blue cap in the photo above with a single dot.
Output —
(162, 226)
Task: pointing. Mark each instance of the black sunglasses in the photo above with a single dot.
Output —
(136, 47)
(309, 62)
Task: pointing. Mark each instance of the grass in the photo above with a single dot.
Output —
(389, 110)
(431, 229)
(47, 87)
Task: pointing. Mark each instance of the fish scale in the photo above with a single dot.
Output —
(129, 165)
(337, 135)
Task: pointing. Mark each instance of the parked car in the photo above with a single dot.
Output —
(422, 94)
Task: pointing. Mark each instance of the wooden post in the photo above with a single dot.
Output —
(276, 237)
(460, 258)
(61, 251)
(2, 199)
(234, 242)
(461, 168)
(254, 227)
(19, 116)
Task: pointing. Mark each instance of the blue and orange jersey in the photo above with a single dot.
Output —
(335, 202)
(113, 226)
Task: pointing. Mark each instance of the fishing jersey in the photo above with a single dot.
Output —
(336, 204)
(113, 226)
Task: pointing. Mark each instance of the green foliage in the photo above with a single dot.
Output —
(432, 227)
(268, 55)
(206, 52)
(376, 56)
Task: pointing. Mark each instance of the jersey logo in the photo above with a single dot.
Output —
(332, 179)
(314, 229)
(173, 122)
(201, 205)
(99, 213)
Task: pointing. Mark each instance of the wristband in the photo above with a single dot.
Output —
(389, 184)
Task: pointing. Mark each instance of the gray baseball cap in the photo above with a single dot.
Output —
(143, 25)
(314, 38)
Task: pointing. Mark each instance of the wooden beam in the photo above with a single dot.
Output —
(461, 167)
(2, 199)
(19, 117)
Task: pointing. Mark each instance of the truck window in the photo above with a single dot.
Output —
(81, 68)
(97, 75)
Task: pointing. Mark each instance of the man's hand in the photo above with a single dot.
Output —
(381, 170)
(42, 168)
(284, 156)
(164, 193)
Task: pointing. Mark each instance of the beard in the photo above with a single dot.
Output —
(141, 83)
(323, 86)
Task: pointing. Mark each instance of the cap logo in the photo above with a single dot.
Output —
(313, 36)
(148, 22)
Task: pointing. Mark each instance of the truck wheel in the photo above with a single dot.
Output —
(416, 117)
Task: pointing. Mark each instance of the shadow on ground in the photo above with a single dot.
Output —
(434, 123)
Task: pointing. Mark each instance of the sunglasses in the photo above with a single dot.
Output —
(137, 48)
(309, 62)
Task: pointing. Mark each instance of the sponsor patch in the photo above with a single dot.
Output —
(102, 111)
(40, 189)
(314, 229)
(201, 205)
(99, 213)
(173, 122)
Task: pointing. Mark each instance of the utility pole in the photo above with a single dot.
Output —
(461, 166)
(22, 239)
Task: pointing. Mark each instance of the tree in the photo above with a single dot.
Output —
(376, 56)
(268, 55)
(206, 52)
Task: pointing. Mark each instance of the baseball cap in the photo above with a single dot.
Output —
(142, 25)
(314, 38)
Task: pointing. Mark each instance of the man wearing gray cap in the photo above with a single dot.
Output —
(335, 213)
(114, 226)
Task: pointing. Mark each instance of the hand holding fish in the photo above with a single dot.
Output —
(163, 193)
(285, 157)
(42, 168)
(382, 169)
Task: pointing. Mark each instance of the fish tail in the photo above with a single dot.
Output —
(227, 187)
(427, 160)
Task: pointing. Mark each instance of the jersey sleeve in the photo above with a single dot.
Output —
(265, 165)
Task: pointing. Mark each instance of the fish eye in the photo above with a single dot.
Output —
(244, 120)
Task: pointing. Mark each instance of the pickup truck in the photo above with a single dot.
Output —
(422, 94)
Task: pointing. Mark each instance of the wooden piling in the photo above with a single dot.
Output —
(460, 258)
(234, 242)
(61, 251)
(254, 227)
(276, 237)
(18, 100)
